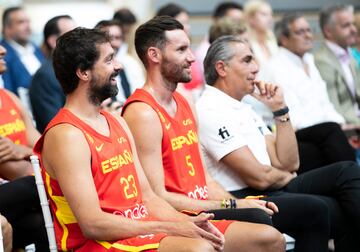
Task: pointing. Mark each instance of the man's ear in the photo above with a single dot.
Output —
(83, 75)
(221, 68)
(154, 54)
(327, 31)
(51, 40)
(284, 41)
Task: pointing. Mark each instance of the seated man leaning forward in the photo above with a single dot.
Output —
(165, 134)
(99, 194)
(243, 155)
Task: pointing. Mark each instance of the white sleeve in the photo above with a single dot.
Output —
(219, 133)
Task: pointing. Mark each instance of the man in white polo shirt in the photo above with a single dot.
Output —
(246, 159)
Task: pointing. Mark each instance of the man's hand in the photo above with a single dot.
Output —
(269, 207)
(200, 227)
(11, 151)
(269, 94)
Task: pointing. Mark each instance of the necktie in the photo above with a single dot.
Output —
(125, 83)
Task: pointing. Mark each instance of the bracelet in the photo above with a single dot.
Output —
(281, 112)
(282, 119)
(233, 203)
(225, 203)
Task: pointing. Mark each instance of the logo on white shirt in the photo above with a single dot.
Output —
(224, 133)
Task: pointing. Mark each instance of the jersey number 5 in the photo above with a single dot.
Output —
(190, 165)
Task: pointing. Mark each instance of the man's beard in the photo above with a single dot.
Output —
(98, 93)
(174, 73)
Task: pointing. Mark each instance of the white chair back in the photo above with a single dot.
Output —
(44, 203)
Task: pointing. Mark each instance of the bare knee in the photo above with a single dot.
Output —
(184, 244)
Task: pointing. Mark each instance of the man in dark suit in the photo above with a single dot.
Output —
(23, 58)
(45, 92)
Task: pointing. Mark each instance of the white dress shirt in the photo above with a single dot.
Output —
(305, 95)
(27, 56)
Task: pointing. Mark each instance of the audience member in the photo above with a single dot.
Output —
(227, 26)
(19, 201)
(46, 95)
(130, 76)
(335, 63)
(229, 9)
(197, 82)
(127, 20)
(170, 154)
(98, 214)
(23, 57)
(6, 234)
(262, 40)
(247, 159)
(320, 138)
(355, 50)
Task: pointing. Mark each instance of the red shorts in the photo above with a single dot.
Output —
(138, 243)
(222, 225)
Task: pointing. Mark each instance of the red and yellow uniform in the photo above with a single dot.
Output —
(183, 168)
(116, 184)
(12, 125)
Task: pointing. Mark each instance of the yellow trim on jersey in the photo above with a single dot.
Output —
(63, 212)
(123, 247)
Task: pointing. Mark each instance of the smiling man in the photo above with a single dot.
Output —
(165, 132)
(245, 158)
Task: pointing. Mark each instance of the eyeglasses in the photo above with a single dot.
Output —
(302, 32)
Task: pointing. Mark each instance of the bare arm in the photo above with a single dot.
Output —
(253, 173)
(79, 190)
(282, 149)
(141, 120)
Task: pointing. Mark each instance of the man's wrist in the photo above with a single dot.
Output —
(281, 112)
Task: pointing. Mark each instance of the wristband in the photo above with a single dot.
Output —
(281, 112)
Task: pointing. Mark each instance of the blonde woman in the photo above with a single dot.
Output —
(258, 14)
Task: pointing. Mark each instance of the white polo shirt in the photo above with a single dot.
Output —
(225, 125)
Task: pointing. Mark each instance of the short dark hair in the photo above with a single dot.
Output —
(152, 33)
(52, 28)
(125, 16)
(326, 13)
(76, 49)
(282, 27)
(106, 23)
(6, 15)
(222, 8)
(171, 10)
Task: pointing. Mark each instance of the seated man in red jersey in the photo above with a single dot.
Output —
(165, 131)
(19, 200)
(98, 192)
(17, 134)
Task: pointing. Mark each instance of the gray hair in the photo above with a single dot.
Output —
(282, 27)
(327, 13)
(220, 49)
